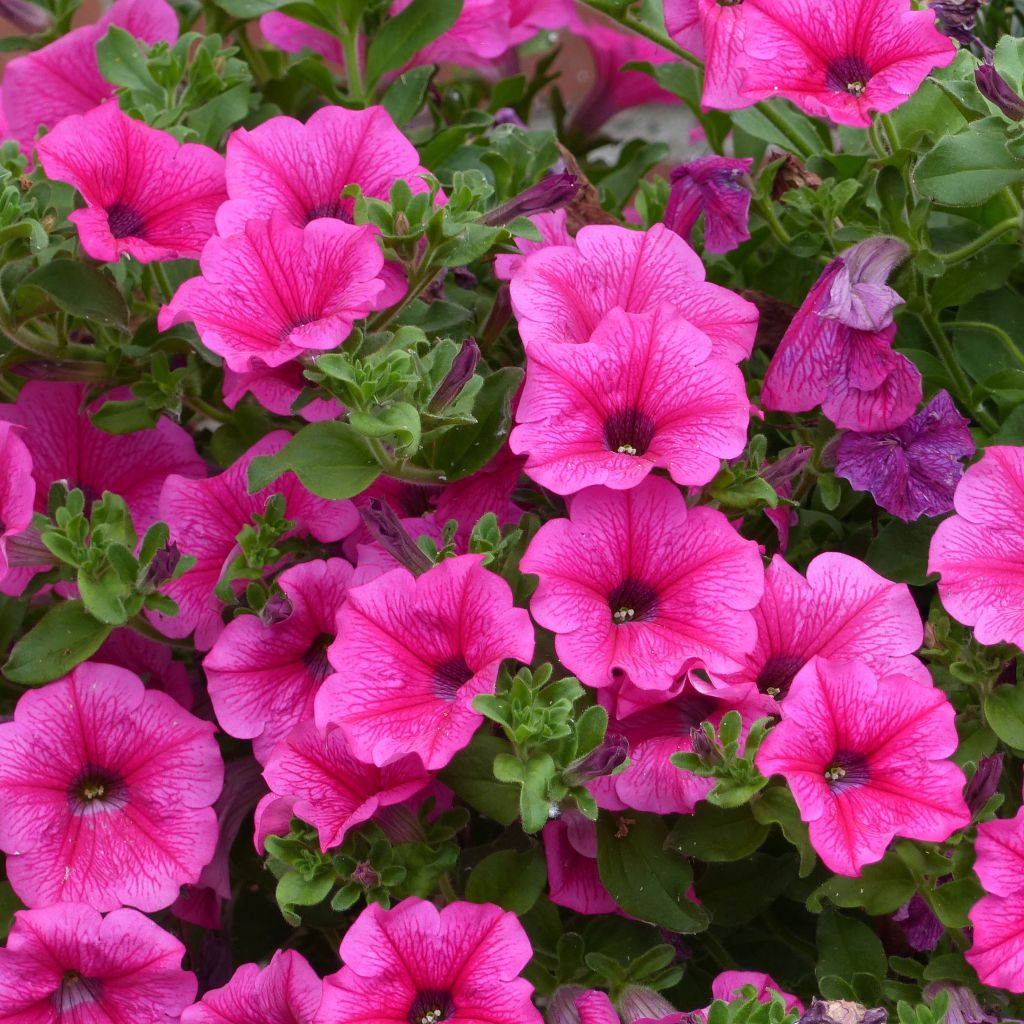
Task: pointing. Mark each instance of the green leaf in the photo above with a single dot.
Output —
(511, 880)
(953, 901)
(846, 947)
(900, 551)
(968, 168)
(63, 638)
(406, 93)
(776, 805)
(247, 9)
(881, 888)
(471, 776)
(123, 62)
(77, 288)
(401, 421)
(716, 834)
(401, 36)
(1004, 712)
(9, 906)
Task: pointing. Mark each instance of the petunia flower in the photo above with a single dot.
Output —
(69, 965)
(912, 470)
(713, 186)
(277, 291)
(729, 985)
(714, 31)
(553, 231)
(979, 552)
(417, 963)
(866, 757)
(562, 293)
(413, 652)
(822, 59)
(570, 851)
(277, 389)
(262, 676)
(106, 788)
(286, 991)
(830, 356)
(63, 77)
(205, 517)
(17, 487)
(147, 195)
(152, 661)
(645, 392)
(633, 584)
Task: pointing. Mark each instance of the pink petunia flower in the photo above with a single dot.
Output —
(714, 31)
(17, 487)
(70, 965)
(633, 584)
(570, 850)
(205, 517)
(822, 59)
(332, 789)
(417, 963)
(730, 984)
(263, 676)
(713, 186)
(147, 195)
(152, 661)
(866, 757)
(979, 552)
(63, 78)
(294, 36)
(277, 390)
(106, 788)
(561, 293)
(645, 392)
(286, 991)
(412, 654)
(553, 231)
(278, 291)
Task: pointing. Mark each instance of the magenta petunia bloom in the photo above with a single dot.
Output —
(294, 36)
(417, 963)
(570, 850)
(147, 195)
(106, 788)
(713, 186)
(979, 552)
(330, 788)
(553, 231)
(730, 984)
(837, 352)
(70, 965)
(866, 757)
(263, 676)
(17, 487)
(277, 390)
(645, 392)
(561, 293)
(278, 291)
(152, 661)
(63, 78)
(822, 59)
(301, 169)
(633, 584)
(843, 610)
(714, 31)
(286, 991)
(912, 470)
(412, 654)
(205, 517)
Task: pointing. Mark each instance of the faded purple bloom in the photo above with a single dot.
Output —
(920, 925)
(912, 470)
(388, 531)
(712, 185)
(997, 90)
(984, 783)
(842, 1011)
(29, 18)
(552, 192)
(859, 296)
(964, 1007)
(956, 18)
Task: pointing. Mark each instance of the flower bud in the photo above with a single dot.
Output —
(463, 367)
(277, 609)
(956, 18)
(984, 783)
(611, 752)
(25, 16)
(160, 569)
(638, 1001)
(997, 90)
(552, 192)
(561, 1007)
(387, 530)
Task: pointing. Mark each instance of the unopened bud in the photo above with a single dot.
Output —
(29, 18)
(277, 609)
(638, 1001)
(365, 875)
(552, 192)
(984, 783)
(997, 90)
(611, 752)
(463, 367)
(161, 568)
(702, 746)
(387, 530)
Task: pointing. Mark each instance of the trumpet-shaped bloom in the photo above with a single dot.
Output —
(712, 186)
(570, 850)
(553, 230)
(263, 676)
(70, 965)
(106, 788)
(412, 654)
(997, 952)
(277, 390)
(715, 32)
(644, 392)
(205, 517)
(417, 963)
(866, 757)
(980, 550)
(17, 487)
(633, 584)
(286, 991)
(147, 195)
(152, 661)
(277, 291)
(730, 984)
(561, 293)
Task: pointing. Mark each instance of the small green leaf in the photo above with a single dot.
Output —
(63, 638)
(406, 93)
(471, 776)
(847, 947)
(400, 37)
(1004, 712)
(511, 880)
(77, 288)
(123, 62)
(952, 902)
(967, 168)
(715, 834)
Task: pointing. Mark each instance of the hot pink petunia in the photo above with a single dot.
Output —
(330, 788)
(489, 489)
(152, 661)
(17, 487)
(147, 195)
(980, 550)
(553, 231)
(866, 757)
(106, 788)
(277, 390)
(633, 584)
(286, 991)
(714, 31)
(645, 392)
(843, 611)
(205, 517)
(412, 654)
(70, 965)
(730, 984)
(997, 952)
(561, 293)
(820, 56)
(263, 676)
(527, 17)
(294, 36)
(417, 963)
(63, 78)
(570, 849)
(712, 186)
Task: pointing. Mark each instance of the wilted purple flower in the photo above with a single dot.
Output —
(997, 90)
(550, 193)
(637, 1002)
(920, 925)
(387, 530)
(984, 783)
(859, 296)
(713, 186)
(277, 609)
(611, 752)
(161, 568)
(842, 1011)
(27, 17)
(463, 367)
(964, 1008)
(956, 18)
(912, 470)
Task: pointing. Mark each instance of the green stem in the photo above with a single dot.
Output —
(766, 208)
(200, 405)
(983, 240)
(615, 10)
(799, 145)
(998, 332)
(353, 66)
(891, 132)
(253, 56)
(143, 628)
(160, 276)
(400, 469)
(418, 284)
(876, 141)
(718, 952)
(447, 891)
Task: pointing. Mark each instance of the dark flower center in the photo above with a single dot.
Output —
(124, 221)
(628, 432)
(97, 790)
(415, 500)
(633, 601)
(315, 659)
(848, 74)
(337, 208)
(73, 991)
(431, 1006)
(845, 771)
(449, 677)
(729, 3)
(776, 677)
